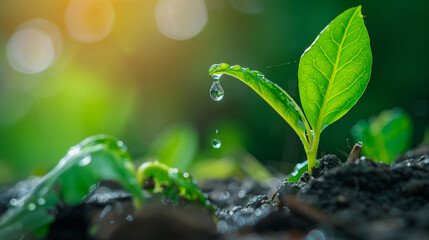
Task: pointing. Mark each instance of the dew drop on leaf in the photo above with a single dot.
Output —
(31, 207)
(216, 143)
(84, 161)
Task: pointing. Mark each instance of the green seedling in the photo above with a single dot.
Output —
(94, 159)
(384, 136)
(171, 182)
(333, 74)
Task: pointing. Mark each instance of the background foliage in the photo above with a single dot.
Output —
(136, 83)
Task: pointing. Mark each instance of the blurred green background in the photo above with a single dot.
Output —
(135, 69)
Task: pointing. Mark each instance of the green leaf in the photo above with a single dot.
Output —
(299, 169)
(270, 92)
(334, 71)
(171, 182)
(176, 147)
(385, 136)
(94, 159)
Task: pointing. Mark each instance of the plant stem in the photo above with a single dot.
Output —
(312, 153)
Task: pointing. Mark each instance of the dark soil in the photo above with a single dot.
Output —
(361, 200)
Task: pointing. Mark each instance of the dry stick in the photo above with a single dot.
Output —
(355, 153)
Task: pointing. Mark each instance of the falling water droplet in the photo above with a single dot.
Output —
(31, 207)
(216, 91)
(84, 161)
(216, 143)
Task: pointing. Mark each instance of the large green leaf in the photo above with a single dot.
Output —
(334, 71)
(269, 91)
(385, 136)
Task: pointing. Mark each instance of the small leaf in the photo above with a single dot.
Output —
(171, 182)
(334, 71)
(299, 169)
(269, 91)
(385, 136)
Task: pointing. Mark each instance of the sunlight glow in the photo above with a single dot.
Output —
(89, 20)
(181, 19)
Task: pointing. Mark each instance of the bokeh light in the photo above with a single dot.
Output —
(181, 19)
(30, 51)
(89, 20)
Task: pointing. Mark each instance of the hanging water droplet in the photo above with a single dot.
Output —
(216, 91)
(84, 161)
(216, 143)
(31, 207)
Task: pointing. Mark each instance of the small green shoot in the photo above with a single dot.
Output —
(384, 136)
(333, 74)
(171, 182)
(94, 159)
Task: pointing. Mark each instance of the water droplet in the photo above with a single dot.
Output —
(41, 201)
(186, 175)
(217, 131)
(315, 235)
(129, 218)
(175, 170)
(31, 207)
(242, 194)
(13, 202)
(105, 211)
(216, 143)
(258, 212)
(112, 222)
(222, 226)
(216, 91)
(84, 161)
(73, 151)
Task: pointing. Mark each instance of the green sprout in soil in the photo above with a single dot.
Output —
(95, 159)
(171, 182)
(333, 74)
(384, 136)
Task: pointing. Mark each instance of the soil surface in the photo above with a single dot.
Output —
(360, 200)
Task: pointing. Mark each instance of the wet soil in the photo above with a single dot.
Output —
(359, 200)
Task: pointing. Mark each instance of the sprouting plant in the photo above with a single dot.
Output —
(333, 74)
(94, 159)
(384, 136)
(171, 182)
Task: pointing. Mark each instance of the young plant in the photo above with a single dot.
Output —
(171, 183)
(333, 74)
(385, 136)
